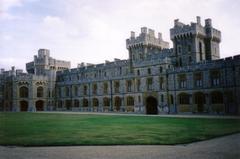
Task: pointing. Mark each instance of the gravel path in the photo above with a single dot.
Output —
(227, 147)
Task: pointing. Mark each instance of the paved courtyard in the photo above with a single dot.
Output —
(220, 148)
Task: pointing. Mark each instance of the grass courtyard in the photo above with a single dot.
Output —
(38, 129)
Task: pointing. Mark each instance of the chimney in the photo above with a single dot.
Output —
(160, 36)
(198, 20)
(132, 34)
(176, 22)
(208, 22)
(144, 30)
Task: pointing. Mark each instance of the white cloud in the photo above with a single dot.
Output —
(93, 30)
(7, 4)
(7, 37)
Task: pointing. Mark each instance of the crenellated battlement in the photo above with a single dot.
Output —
(43, 62)
(195, 28)
(147, 38)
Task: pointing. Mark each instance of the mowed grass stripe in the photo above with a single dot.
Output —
(37, 129)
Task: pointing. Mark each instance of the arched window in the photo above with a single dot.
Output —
(40, 91)
(95, 102)
(106, 101)
(85, 102)
(130, 101)
(23, 92)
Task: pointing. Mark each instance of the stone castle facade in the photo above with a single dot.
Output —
(188, 78)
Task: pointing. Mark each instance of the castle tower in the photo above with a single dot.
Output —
(144, 45)
(195, 43)
(212, 40)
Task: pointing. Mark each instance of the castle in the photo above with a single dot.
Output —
(188, 78)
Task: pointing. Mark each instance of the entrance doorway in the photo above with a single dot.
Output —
(151, 105)
(39, 105)
(23, 106)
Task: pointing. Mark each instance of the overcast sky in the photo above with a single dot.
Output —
(95, 30)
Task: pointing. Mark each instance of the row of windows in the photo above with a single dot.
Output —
(198, 79)
(149, 71)
(95, 102)
(100, 73)
(116, 87)
(182, 83)
(215, 97)
(24, 92)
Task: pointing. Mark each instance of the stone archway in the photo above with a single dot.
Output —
(39, 105)
(151, 105)
(23, 106)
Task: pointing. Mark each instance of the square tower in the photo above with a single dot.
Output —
(195, 43)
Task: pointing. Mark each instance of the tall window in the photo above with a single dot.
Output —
(160, 69)
(161, 82)
(85, 89)
(149, 83)
(116, 86)
(106, 102)
(95, 102)
(138, 84)
(162, 98)
(76, 103)
(149, 71)
(190, 59)
(105, 88)
(179, 49)
(138, 72)
(217, 97)
(59, 92)
(198, 80)
(23, 92)
(200, 50)
(182, 81)
(130, 101)
(184, 98)
(67, 92)
(215, 78)
(180, 61)
(129, 86)
(85, 102)
(75, 90)
(189, 48)
(40, 91)
(94, 89)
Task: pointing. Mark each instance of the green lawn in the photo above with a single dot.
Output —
(32, 129)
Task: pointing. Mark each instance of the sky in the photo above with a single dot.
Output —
(93, 31)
